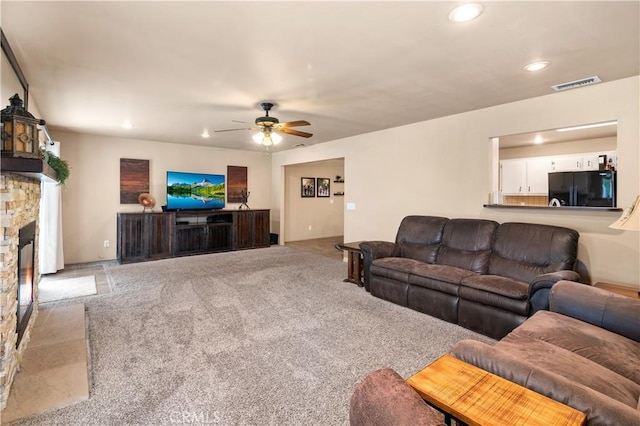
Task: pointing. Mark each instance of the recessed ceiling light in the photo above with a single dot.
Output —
(127, 124)
(205, 133)
(536, 66)
(538, 139)
(466, 12)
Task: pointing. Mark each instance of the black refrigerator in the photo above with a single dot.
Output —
(594, 188)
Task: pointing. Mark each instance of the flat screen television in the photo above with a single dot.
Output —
(195, 191)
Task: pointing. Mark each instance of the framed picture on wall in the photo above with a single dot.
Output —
(322, 187)
(307, 187)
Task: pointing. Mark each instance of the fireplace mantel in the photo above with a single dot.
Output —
(34, 168)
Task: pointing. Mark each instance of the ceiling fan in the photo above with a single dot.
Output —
(270, 127)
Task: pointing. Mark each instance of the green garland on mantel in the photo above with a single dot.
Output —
(60, 166)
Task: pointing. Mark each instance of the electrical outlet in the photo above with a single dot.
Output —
(309, 227)
(106, 243)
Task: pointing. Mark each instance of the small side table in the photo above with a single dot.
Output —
(354, 262)
(468, 394)
(618, 289)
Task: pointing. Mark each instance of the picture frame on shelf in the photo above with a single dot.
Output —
(323, 186)
(307, 187)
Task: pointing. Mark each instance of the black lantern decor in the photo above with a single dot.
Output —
(19, 131)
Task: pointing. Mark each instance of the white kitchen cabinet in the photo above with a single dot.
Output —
(567, 163)
(513, 176)
(590, 162)
(537, 180)
(525, 176)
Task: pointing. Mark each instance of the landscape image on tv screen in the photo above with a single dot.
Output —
(195, 191)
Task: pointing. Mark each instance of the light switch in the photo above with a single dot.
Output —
(351, 206)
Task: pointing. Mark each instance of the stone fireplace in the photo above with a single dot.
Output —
(19, 275)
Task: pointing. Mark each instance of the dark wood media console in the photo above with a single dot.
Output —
(150, 236)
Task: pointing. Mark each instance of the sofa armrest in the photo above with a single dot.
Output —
(599, 408)
(616, 313)
(384, 398)
(372, 250)
(540, 288)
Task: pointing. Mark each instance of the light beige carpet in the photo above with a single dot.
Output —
(59, 289)
(269, 337)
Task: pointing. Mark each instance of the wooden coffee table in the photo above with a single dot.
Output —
(474, 396)
(354, 262)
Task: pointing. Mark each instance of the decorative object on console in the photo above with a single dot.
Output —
(322, 186)
(147, 201)
(245, 199)
(270, 127)
(134, 179)
(19, 131)
(630, 218)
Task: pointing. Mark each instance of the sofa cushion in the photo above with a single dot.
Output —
(602, 308)
(524, 250)
(502, 286)
(563, 362)
(466, 243)
(397, 268)
(610, 350)
(449, 274)
(419, 237)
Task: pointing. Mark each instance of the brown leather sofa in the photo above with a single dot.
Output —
(584, 352)
(482, 275)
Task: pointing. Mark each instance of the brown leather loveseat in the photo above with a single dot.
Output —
(477, 273)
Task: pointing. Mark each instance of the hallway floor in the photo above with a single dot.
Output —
(321, 246)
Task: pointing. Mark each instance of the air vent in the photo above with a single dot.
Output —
(575, 84)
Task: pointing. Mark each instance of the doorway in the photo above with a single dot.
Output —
(316, 217)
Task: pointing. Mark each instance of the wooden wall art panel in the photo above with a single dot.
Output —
(236, 182)
(134, 179)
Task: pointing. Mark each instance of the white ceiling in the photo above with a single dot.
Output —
(176, 68)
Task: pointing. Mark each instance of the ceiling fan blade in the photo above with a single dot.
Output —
(238, 121)
(231, 130)
(295, 132)
(294, 123)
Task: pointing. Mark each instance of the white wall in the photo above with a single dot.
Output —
(91, 197)
(443, 167)
(325, 216)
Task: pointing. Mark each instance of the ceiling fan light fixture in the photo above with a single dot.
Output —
(267, 138)
(466, 12)
(276, 138)
(258, 138)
